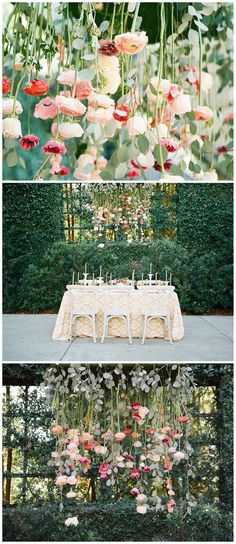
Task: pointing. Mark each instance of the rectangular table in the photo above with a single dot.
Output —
(117, 327)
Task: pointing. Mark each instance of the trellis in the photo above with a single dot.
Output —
(216, 419)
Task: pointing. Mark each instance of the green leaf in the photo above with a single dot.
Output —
(123, 154)
(193, 128)
(193, 37)
(201, 25)
(88, 73)
(194, 167)
(104, 26)
(22, 162)
(207, 147)
(121, 170)
(78, 44)
(176, 171)
(142, 143)
(160, 152)
(190, 115)
(9, 143)
(107, 175)
(195, 147)
(152, 88)
(12, 159)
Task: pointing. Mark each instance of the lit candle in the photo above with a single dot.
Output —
(106, 276)
(150, 268)
(73, 278)
(85, 268)
(78, 277)
(110, 277)
(133, 276)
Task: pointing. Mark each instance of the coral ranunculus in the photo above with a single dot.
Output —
(6, 85)
(29, 141)
(203, 113)
(53, 146)
(83, 89)
(36, 87)
(70, 106)
(46, 109)
(131, 43)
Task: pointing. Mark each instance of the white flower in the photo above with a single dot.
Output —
(143, 411)
(141, 509)
(179, 455)
(71, 521)
(141, 497)
(11, 127)
(101, 246)
(109, 73)
(137, 444)
(8, 104)
(136, 125)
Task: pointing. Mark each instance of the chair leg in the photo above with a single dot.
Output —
(104, 329)
(129, 329)
(144, 328)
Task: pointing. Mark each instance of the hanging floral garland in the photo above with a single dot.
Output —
(125, 424)
(119, 107)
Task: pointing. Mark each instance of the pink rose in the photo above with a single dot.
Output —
(104, 467)
(83, 89)
(135, 474)
(11, 127)
(131, 43)
(203, 113)
(146, 469)
(70, 130)
(134, 491)
(101, 101)
(181, 104)
(179, 455)
(70, 106)
(67, 78)
(136, 125)
(119, 436)
(135, 405)
(46, 109)
(104, 476)
(72, 480)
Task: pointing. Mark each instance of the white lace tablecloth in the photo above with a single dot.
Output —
(117, 327)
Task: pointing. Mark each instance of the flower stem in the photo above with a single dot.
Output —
(113, 20)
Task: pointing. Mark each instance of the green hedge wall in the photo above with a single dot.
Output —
(202, 283)
(115, 522)
(32, 222)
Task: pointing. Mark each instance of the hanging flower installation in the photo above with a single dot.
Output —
(125, 426)
(111, 104)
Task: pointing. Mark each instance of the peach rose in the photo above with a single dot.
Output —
(131, 43)
(101, 101)
(11, 127)
(119, 436)
(70, 130)
(84, 89)
(67, 77)
(58, 429)
(136, 125)
(61, 480)
(46, 109)
(179, 455)
(70, 106)
(203, 113)
(100, 115)
(8, 104)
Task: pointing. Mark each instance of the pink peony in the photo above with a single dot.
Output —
(72, 480)
(203, 113)
(83, 90)
(53, 146)
(46, 108)
(136, 125)
(70, 106)
(131, 43)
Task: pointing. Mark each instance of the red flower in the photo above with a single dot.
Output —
(166, 440)
(29, 141)
(170, 145)
(135, 473)
(222, 149)
(135, 405)
(146, 469)
(64, 171)
(136, 415)
(121, 113)
(52, 146)
(36, 87)
(107, 48)
(167, 166)
(6, 85)
(182, 419)
(134, 173)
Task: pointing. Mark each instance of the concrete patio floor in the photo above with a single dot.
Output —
(28, 338)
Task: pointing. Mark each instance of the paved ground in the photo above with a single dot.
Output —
(28, 338)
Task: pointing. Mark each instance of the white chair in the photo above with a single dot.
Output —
(117, 306)
(83, 303)
(157, 306)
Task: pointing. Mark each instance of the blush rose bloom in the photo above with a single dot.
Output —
(101, 101)
(100, 115)
(61, 480)
(181, 104)
(131, 43)
(141, 509)
(46, 109)
(136, 125)
(203, 113)
(72, 521)
(71, 495)
(70, 106)
(8, 104)
(72, 480)
(179, 455)
(134, 491)
(11, 127)
(70, 130)
(119, 436)
(84, 89)
(67, 77)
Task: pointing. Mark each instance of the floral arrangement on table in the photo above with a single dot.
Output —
(119, 107)
(122, 425)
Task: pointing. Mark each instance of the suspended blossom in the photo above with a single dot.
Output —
(71, 521)
(58, 429)
(136, 125)
(67, 77)
(6, 85)
(107, 48)
(71, 495)
(46, 108)
(11, 127)
(121, 113)
(203, 113)
(141, 509)
(100, 115)
(36, 87)
(83, 89)
(53, 146)
(109, 74)
(70, 106)
(8, 106)
(131, 43)
(70, 130)
(101, 101)
(29, 141)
